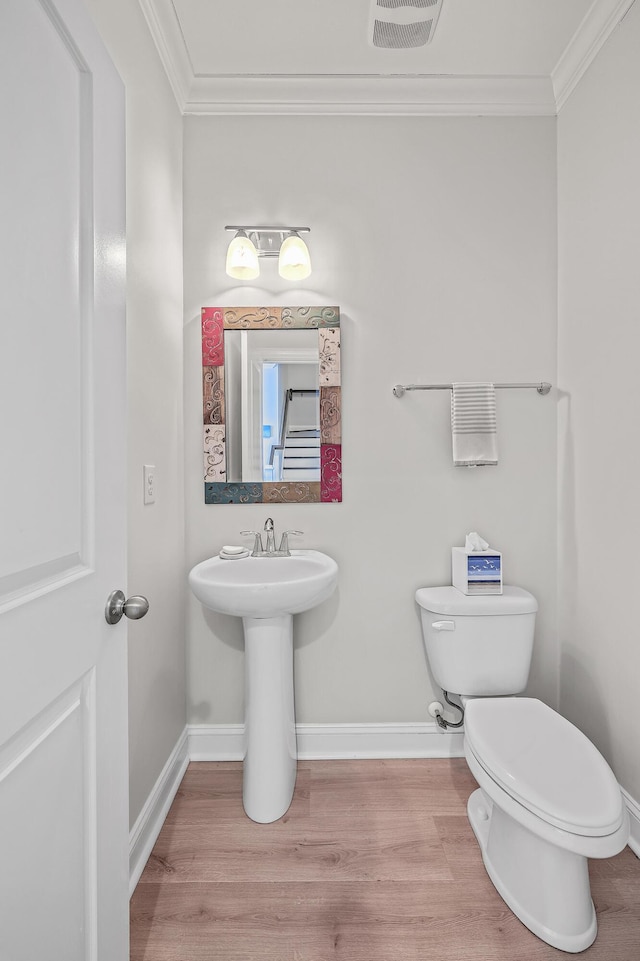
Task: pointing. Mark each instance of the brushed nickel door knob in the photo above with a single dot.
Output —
(133, 607)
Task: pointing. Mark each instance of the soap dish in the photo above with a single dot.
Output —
(229, 553)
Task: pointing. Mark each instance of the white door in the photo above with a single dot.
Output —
(63, 699)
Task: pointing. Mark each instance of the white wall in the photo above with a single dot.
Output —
(437, 238)
(599, 453)
(154, 379)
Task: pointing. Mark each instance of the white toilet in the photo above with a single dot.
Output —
(547, 799)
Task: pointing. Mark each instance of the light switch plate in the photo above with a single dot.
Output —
(149, 484)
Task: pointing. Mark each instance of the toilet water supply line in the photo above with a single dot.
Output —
(442, 722)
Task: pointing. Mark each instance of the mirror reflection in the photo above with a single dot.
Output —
(273, 405)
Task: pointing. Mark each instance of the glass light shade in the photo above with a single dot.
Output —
(242, 258)
(294, 262)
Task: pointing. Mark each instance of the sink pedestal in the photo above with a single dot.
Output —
(270, 756)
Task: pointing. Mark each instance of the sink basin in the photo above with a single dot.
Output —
(265, 586)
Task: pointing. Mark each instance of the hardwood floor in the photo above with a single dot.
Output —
(374, 861)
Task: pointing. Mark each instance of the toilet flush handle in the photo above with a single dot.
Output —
(444, 625)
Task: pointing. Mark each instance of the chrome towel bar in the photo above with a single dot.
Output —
(399, 389)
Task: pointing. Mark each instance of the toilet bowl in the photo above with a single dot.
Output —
(547, 800)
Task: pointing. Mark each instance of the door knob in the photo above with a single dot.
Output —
(133, 607)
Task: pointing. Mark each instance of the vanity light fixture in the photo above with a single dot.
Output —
(242, 258)
(294, 262)
(285, 243)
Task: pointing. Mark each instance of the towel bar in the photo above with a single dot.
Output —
(399, 389)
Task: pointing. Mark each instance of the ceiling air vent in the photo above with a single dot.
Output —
(402, 24)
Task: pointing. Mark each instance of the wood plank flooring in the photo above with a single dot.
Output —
(374, 861)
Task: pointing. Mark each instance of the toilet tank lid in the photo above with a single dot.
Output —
(449, 600)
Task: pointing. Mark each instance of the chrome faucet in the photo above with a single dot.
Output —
(270, 531)
(269, 549)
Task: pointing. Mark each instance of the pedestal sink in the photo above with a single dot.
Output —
(266, 592)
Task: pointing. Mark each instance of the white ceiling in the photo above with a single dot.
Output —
(314, 56)
(485, 37)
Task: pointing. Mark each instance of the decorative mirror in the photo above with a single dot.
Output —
(271, 405)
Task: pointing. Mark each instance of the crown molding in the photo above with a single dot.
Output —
(365, 95)
(597, 26)
(165, 30)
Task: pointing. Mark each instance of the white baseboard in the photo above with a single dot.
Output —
(634, 820)
(224, 742)
(377, 741)
(145, 831)
(215, 742)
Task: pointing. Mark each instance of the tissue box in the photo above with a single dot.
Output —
(476, 572)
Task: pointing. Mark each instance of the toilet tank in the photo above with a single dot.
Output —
(478, 646)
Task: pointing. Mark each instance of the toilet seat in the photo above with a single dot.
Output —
(545, 764)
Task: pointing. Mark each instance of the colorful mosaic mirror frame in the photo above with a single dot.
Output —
(217, 320)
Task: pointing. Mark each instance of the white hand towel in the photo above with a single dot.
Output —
(473, 425)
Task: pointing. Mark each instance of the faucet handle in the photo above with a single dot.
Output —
(284, 543)
(257, 544)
